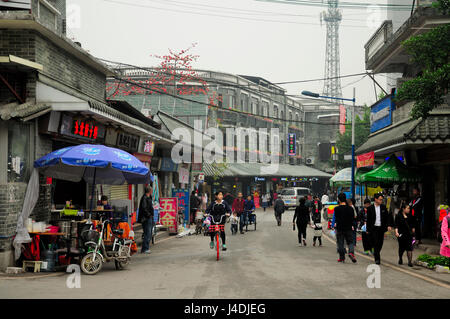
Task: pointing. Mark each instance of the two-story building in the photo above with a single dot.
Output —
(423, 143)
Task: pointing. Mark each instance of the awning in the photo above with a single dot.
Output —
(435, 129)
(393, 170)
(19, 63)
(257, 169)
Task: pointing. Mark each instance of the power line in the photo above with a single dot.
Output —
(232, 110)
(224, 16)
(349, 5)
(321, 79)
(226, 84)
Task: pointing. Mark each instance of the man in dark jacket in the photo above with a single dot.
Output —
(377, 224)
(194, 203)
(344, 217)
(146, 219)
(279, 210)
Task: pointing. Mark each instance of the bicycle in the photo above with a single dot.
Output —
(217, 228)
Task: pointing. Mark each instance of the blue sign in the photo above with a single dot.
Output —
(167, 165)
(183, 201)
(381, 114)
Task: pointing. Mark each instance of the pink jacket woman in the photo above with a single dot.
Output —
(445, 231)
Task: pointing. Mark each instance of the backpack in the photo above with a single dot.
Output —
(439, 235)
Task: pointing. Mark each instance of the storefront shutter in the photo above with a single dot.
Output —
(119, 191)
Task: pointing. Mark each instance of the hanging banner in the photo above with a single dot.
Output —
(341, 119)
(183, 201)
(183, 174)
(168, 213)
(367, 159)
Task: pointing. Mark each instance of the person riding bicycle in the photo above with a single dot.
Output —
(249, 209)
(216, 210)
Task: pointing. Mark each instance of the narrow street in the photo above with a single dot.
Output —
(266, 263)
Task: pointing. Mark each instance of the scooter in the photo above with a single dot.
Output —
(97, 253)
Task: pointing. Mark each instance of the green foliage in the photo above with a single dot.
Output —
(433, 261)
(442, 5)
(381, 95)
(344, 141)
(430, 51)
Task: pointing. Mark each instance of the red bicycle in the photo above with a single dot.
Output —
(216, 228)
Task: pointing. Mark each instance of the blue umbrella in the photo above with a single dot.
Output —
(95, 164)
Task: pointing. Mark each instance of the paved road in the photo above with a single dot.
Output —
(266, 263)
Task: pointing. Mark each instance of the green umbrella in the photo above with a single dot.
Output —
(343, 178)
(393, 170)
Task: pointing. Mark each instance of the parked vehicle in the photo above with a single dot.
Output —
(291, 196)
(97, 253)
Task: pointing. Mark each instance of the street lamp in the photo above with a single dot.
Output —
(316, 95)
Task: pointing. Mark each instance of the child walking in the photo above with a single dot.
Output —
(234, 219)
(317, 225)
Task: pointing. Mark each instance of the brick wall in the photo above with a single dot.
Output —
(57, 63)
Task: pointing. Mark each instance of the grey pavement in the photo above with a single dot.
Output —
(266, 263)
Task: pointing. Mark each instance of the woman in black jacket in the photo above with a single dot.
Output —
(303, 219)
(404, 231)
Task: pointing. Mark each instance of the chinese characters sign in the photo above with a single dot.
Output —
(149, 147)
(85, 129)
(183, 201)
(291, 144)
(367, 159)
(168, 213)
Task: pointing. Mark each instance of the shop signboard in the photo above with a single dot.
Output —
(149, 147)
(381, 114)
(367, 159)
(167, 165)
(292, 144)
(168, 213)
(82, 128)
(183, 174)
(260, 179)
(127, 141)
(183, 201)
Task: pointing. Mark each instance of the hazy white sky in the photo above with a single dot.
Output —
(289, 49)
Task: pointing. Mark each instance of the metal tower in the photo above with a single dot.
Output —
(332, 17)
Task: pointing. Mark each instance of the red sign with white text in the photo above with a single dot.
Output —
(341, 119)
(367, 159)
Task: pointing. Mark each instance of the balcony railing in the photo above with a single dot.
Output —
(378, 39)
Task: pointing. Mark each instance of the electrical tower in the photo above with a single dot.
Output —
(332, 17)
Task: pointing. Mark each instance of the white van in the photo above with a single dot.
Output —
(291, 195)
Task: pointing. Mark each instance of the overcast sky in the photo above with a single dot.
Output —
(289, 49)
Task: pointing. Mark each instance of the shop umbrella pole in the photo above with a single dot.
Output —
(92, 194)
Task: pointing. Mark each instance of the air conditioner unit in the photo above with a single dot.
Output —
(310, 161)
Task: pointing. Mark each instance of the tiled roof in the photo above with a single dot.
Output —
(16, 110)
(433, 128)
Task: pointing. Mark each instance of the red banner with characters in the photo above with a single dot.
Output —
(168, 213)
(367, 159)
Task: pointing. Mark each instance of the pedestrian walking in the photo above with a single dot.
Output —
(344, 218)
(404, 231)
(265, 201)
(351, 202)
(271, 200)
(445, 233)
(377, 225)
(303, 218)
(146, 219)
(194, 203)
(417, 212)
(238, 207)
(317, 225)
(279, 210)
(316, 207)
(234, 220)
(362, 219)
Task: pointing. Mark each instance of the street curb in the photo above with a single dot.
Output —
(440, 282)
(29, 276)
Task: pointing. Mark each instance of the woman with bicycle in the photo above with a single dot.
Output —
(218, 210)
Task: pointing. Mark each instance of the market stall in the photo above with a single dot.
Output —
(388, 177)
(342, 181)
(60, 241)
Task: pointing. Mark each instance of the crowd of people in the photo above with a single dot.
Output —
(372, 221)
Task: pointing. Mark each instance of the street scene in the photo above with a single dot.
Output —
(242, 149)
